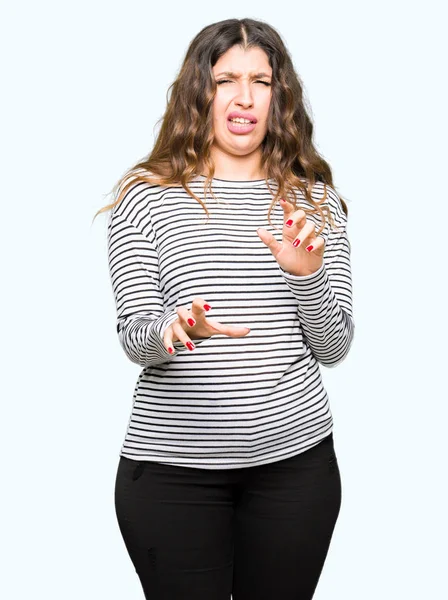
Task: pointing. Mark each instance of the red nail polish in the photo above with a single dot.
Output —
(190, 322)
(309, 248)
(190, 345)
(170, 350)
(207, 307)
(289, 222)
(296, 243)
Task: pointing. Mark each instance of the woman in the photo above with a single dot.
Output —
(230, 267)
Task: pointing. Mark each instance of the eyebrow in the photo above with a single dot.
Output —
(237, 75)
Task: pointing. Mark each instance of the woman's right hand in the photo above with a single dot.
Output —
(194, 323)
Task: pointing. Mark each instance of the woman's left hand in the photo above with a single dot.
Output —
(296, 260)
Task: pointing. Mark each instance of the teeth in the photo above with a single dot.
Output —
(240, 120)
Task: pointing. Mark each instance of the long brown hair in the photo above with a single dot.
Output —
(186, 134)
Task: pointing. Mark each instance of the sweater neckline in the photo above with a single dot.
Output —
(246, 183)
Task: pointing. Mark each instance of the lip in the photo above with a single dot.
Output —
(236, 114)
(240, 129)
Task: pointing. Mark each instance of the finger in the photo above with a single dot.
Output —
(296, 218)
(270, 241)
(182, 335)
(316, 245)
(198, 307)
(168, 340)
(305, 235)
(285, 204)
(186, 317)
(230, 330)
(288, 207)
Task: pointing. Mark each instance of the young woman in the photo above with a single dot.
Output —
(230, 267)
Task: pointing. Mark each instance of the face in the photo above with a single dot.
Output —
(243, 86)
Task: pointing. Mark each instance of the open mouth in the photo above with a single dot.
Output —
(238, 127)
(239, 121)
(241, 118)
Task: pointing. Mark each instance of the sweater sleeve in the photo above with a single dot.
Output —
(324, 298)
(141, 315)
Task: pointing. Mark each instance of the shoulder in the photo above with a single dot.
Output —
(325, 195)
(137, 197)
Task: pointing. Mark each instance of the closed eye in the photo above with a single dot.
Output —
(228, 81)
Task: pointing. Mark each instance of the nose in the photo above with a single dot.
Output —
(244, 96)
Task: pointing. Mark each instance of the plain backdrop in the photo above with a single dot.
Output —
(83, 85)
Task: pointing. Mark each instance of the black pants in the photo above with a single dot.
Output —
(258, 533)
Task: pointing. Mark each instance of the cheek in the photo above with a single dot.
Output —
(267, 103)
(219, 108)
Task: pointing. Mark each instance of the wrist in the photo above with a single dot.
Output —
(304, 274)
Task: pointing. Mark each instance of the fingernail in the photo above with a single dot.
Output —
(190, 322)
(309, 248)
(289, 222)
(207, 307)
(170, 350)
(190, 345)
(296, 243)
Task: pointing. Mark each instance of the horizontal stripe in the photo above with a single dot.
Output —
(232, 402)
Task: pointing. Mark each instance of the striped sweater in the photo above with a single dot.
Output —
(231, 402)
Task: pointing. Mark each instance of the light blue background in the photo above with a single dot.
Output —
(83, 86)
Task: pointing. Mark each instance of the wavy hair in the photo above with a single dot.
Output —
(186, 134)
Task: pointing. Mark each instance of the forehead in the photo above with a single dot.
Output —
(239, 61)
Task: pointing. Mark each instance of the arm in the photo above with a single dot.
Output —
(141, 316)
(325, 297)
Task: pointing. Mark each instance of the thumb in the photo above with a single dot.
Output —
(269, 240)
(231, 330)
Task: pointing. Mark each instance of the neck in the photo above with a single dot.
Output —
(235, 168)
